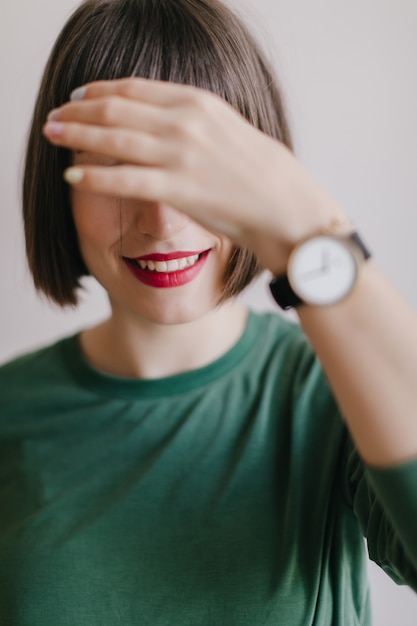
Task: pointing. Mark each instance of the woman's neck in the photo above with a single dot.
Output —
(138, 348)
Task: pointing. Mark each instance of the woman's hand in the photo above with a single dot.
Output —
(186, 147)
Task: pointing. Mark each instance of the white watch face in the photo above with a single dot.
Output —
(322, 270)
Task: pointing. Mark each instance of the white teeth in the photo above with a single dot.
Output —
(172, 266)
(192, 259)
(160, 266)
(169, 266)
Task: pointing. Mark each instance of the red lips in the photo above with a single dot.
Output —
(167, 257)
(163, 280)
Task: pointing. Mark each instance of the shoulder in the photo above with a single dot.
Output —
(277, 327)
(27, 361)
(283, 341)
(288, 361)
(32, 373)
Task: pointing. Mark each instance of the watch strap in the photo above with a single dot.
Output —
(283, 293)
(354, 238)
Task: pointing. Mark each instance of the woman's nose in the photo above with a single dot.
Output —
(160, 221)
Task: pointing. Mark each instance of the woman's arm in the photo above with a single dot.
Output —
(368, 347)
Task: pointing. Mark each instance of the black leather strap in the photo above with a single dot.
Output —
(283, 293)
(358, 241)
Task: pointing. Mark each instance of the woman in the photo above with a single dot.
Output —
(186, 462)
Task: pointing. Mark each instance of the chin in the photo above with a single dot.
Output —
(168, 311)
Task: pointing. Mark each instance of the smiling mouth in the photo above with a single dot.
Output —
(172, 265)
(167, 270)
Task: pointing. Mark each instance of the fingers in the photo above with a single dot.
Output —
(116, 144)
(85, 124)
(113, 110)
(156, 92)
(123, 181)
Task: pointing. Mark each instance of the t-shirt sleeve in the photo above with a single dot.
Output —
(385, 503)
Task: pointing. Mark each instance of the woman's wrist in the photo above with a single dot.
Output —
(275, 248)
(296, 207)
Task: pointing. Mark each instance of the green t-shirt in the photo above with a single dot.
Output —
(226, 496)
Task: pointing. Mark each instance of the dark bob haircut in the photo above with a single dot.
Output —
(196, 42)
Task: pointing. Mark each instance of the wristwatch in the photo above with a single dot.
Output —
(322, 270)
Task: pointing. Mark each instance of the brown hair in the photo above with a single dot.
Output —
(197, 42)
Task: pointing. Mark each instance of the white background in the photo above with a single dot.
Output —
(349, 73)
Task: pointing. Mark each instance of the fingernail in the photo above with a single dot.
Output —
(78, 94)
(54, 114)
(73, 175)
(54, 129)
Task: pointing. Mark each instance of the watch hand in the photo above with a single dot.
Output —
(312, 273)
(325, 260)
